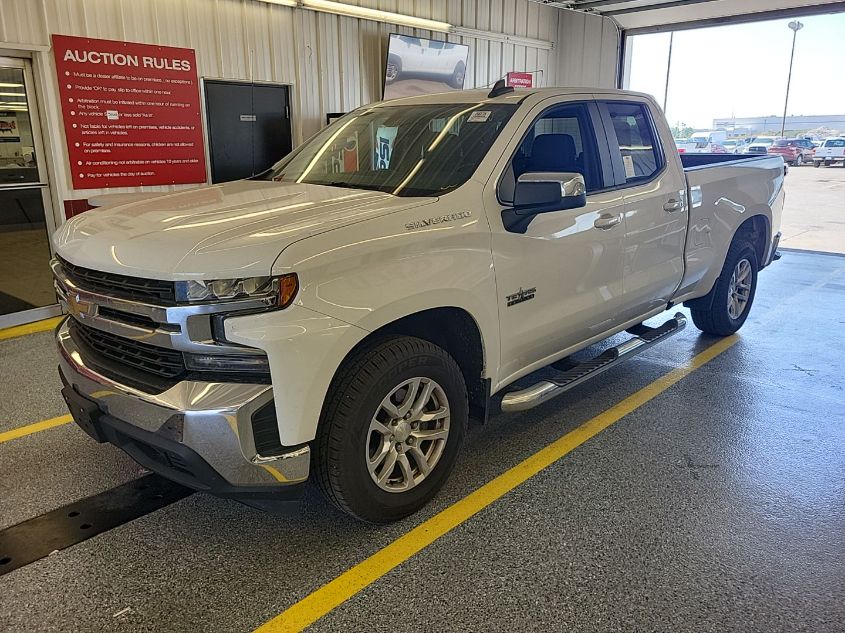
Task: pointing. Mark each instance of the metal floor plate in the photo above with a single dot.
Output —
(38, 537)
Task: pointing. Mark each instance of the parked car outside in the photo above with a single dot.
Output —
(731, 145)
(704, 142)
(768, 141)
(756, 148)
(832, 151)
(795, 151)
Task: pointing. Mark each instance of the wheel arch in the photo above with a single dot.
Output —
(757, 230)
(455, 330)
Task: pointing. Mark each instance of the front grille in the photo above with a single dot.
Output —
(146, 367)
(159, 361)
(123, 286)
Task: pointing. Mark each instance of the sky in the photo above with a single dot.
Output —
(741, 70)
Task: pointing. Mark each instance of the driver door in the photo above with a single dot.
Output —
(559, 282)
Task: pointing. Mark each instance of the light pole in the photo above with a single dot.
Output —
(796, 26)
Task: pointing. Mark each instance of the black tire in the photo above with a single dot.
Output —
(817, 163)
(354, 398)
(716, 319)
(458, 76)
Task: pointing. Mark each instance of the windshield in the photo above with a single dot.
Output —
(700, 139)
(404, 150)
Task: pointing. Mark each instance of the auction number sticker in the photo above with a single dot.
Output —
(479, 116)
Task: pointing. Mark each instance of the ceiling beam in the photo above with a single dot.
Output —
(655, 7)
(742, 18)
(595, 4)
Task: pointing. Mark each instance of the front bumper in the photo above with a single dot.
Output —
(199, 434)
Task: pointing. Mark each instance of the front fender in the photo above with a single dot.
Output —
(305, 349)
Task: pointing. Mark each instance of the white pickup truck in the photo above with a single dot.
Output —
(830, 152)
(346, 312)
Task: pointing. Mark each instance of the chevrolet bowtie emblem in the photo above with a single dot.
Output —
(79, 308)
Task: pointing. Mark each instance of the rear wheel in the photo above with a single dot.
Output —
(733, 294)
(391, 429)
(799, 160)
(817, 163)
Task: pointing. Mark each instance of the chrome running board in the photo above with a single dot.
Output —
(545, 390)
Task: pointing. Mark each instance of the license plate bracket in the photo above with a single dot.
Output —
(85, 413)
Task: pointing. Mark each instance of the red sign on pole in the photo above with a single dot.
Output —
(520, 80)
(131, 113)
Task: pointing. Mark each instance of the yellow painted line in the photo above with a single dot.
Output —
(336, 592)
(29, 429)
(30, 328)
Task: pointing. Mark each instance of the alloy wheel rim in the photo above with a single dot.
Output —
(407, 434)
(739, 289)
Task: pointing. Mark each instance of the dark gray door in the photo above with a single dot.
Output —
(248, 128)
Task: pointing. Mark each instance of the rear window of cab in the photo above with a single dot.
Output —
(835, 142)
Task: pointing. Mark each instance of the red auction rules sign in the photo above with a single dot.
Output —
(131, 113)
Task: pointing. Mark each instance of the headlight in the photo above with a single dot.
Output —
(283, 289)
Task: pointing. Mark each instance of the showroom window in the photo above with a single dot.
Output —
(560, 141)
(641, 158)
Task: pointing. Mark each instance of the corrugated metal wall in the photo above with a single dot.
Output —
(587, 50)
(334, 63)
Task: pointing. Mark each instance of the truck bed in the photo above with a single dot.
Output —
(697, 161)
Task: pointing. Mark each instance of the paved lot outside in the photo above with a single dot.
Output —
(814, 215)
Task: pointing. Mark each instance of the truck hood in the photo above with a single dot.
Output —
(237, 229)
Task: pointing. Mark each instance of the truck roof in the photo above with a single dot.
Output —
(479, 95)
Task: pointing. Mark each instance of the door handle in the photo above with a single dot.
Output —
(673, 205)
(605, 221)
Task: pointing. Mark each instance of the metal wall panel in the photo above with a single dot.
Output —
(587, 50)
(333, 63)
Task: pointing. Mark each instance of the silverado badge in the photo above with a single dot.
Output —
(521, 295)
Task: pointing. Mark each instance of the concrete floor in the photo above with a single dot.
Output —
(717, 506)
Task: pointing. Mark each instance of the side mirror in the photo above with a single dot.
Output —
(543, 192)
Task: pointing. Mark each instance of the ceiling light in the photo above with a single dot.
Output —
(2, 85)
(12, 94)
(353, 11)
(284, 3)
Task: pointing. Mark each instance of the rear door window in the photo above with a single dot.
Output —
(635, 141)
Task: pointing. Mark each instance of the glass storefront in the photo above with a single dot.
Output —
(25, 282)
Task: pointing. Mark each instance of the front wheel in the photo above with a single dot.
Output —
(458, 76)
(391, 429)
(733, 293)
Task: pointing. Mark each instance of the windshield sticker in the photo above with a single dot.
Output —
(479, 116)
